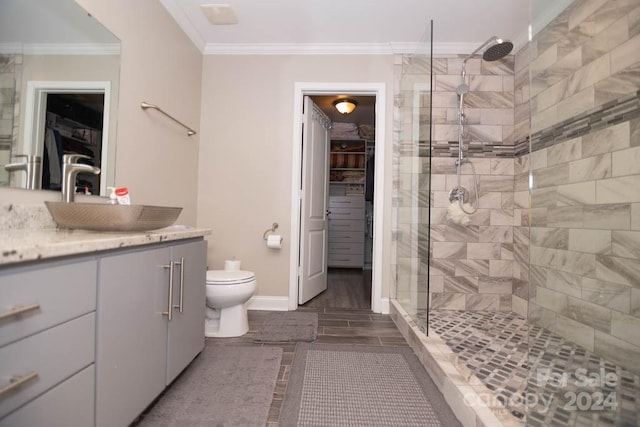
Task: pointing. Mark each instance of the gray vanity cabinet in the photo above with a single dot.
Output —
(139, 350)
(47, 343)
(186, 328)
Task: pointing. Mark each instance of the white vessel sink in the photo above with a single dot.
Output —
(106, 217)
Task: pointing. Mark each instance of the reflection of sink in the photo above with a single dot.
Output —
(106, 217)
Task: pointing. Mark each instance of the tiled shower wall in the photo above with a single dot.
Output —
(472, 266)
(10, 70)
(585, 216)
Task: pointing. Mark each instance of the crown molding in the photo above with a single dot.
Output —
(178, 15)
(60, 48)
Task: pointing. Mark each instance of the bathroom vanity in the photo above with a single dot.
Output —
(94, 326)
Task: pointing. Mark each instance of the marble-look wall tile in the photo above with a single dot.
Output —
(625, 55)
(589, 314)
(609, 139)
(635, 216)
(607, 217)
(552, 300)
(554, 238)
(448, 301)
(498, 234)
(472, 268)
(565, 152)
(484, 251)
(623, 189)
(567, 283)
(575, 331)
(625, 327)
(607, 294)
(495, 285)
(591, 241)
(576, 262)
(579, 193)
(626, 244)
(500, 268)
(461, 284)
(590, 168)
(482, 302)
(617, 350)
(625, 162)
(624, 271)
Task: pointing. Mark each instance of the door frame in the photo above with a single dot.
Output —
(35, 116)
(378, 90)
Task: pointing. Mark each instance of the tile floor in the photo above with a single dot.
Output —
(499, 348)
(335, 326)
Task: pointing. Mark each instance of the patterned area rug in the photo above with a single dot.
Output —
(224, 386)
(288, 326)
(341, 385)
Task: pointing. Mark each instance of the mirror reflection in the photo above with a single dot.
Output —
(59, 78)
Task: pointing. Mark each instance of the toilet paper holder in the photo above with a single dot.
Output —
(273, 228)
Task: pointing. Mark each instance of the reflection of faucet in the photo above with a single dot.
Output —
(31, 166)
(69, 171)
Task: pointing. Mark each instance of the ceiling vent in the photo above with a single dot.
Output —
(219, 14)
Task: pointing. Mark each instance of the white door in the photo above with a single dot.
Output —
(314, 203)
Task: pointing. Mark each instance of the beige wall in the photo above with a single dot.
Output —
(246, 153)
(159, 64)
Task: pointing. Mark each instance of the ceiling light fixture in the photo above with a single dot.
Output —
(345, 105)
(219, 14)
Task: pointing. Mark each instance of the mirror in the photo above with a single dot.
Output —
(59, 80)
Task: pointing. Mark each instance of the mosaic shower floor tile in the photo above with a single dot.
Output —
(566, 384)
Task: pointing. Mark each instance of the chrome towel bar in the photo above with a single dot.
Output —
(144, 105)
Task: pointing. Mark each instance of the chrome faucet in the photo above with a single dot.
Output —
(31, 166)
(70, 169)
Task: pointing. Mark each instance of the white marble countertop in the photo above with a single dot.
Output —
(20, 245)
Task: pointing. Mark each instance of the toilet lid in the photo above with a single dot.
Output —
(224, 277)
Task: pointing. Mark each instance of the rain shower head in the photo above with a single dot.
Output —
(497, 50)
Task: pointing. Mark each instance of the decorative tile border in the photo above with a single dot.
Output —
(609, 114)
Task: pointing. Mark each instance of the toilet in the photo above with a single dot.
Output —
(227, 293)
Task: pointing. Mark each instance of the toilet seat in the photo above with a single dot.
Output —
(224, 277)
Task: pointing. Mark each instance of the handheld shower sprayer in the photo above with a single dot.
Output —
(493, 49)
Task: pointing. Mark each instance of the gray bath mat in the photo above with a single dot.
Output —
(288, 326)
(346, 385)
(224, 386)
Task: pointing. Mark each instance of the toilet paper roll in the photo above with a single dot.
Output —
(274, 241)
(232, 265)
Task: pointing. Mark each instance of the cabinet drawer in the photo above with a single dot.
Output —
(55, 354)
(346, 213)
(68, 404)
(346, 202)
(63, 291)
(346, 260)
(346, 248)
(346, 225)
(346, 236)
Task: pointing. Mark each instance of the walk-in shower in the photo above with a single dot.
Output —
(529, 315)
(462, 205)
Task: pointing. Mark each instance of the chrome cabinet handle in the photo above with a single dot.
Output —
(18, 310)
(17, 382)
(181, 264)
(169, 311)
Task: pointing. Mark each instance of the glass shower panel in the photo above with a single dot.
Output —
(584, 297)
(413, 168)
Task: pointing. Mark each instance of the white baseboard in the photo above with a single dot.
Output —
(268, 303)
(384, 305)
(282, 304)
